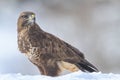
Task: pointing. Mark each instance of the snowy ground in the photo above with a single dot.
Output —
(72, 76)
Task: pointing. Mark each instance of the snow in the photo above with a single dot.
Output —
(72, 76)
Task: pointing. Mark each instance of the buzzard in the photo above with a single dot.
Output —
(49, 53)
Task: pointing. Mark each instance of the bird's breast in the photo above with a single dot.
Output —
(34, 55)
(23, 42)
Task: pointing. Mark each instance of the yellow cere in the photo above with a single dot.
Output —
(33, 15)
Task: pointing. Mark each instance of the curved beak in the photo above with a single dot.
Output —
(32, 18)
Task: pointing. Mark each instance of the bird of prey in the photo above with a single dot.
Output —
(49, 53)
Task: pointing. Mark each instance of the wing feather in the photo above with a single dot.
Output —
(72, 55)
(60, 50)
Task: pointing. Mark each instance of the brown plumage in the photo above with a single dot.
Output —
(50, 54)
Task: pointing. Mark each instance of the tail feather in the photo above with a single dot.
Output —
(86, 66)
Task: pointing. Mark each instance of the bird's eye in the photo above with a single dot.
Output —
(24, 16)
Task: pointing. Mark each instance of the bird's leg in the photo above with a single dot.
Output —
(49, 68)
(42, 70)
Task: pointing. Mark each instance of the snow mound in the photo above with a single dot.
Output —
(72, 76)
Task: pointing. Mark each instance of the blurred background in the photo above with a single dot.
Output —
(92, 26)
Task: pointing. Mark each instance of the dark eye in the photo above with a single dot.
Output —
(25, 16)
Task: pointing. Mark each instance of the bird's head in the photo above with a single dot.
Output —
(26, 19)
